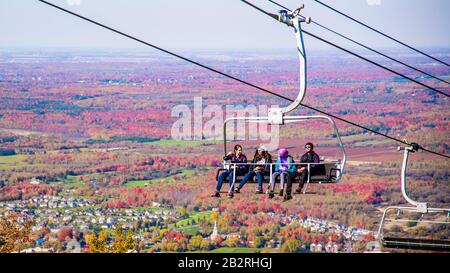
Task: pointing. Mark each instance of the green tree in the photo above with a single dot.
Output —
(291, 246)
(259, 241)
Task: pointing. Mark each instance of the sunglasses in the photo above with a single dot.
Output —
(308, 147)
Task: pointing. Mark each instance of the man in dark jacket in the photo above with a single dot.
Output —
(309, 157)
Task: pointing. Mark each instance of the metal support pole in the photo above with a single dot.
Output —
(421, 206)
(307, 182)
(234, 179)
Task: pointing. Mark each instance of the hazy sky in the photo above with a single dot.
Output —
(216, 24)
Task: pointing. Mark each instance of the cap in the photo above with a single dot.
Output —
(262, 147)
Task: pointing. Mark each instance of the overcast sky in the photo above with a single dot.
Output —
(217, 24)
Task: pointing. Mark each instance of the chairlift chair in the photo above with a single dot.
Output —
(427, 216)
(277, 116)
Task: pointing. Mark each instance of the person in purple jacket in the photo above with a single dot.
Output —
(284, 168)
(236, 157)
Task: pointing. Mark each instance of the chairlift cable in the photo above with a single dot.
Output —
(380, 32)
(365, 59)
(231, 77)
(375, 63)
(366, 47)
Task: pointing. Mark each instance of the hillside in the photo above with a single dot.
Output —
(97, 132)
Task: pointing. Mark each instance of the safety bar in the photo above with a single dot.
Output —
(417, 207)
(410, 209)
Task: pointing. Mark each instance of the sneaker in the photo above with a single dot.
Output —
(216, 194)
(238, 190)
(259, 191)
(298, 191)
(271, 194)
(230, 195)
(281, 192)
(287, 197)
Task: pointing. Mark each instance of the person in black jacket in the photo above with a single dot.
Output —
(260, 166)
(309, 157)
(236, 157)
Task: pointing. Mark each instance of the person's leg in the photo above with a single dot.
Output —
(260, 177)
(274, 179)
(282, 179)
(247, 177)
(222, 177)
(303, 180)
(272, 184)
(300, 185)
(230, 180)
(290, 178)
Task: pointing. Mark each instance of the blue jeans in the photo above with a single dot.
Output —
(222, 177)
(250, 175)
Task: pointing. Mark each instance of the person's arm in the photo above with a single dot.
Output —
(253, 166)
(267, 165)
(292, 167)
(316, 159)
(303, 159)
(244, 160)
(227, 157)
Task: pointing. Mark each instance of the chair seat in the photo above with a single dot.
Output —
(323, 173)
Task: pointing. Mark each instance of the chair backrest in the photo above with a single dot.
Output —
(332, 171)
(320, 170)
(325, 172)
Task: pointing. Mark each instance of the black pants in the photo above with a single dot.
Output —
(291, 177)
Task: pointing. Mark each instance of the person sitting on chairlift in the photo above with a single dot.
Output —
(236, 157)
(259, 168)
(284, 168)
(309, 157)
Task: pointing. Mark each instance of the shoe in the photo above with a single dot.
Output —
(238, 190)
(259, 191)
(287, 197)
(298, 191)
(271, 194)
(230, 195)
(281, 192)
(216, 194)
